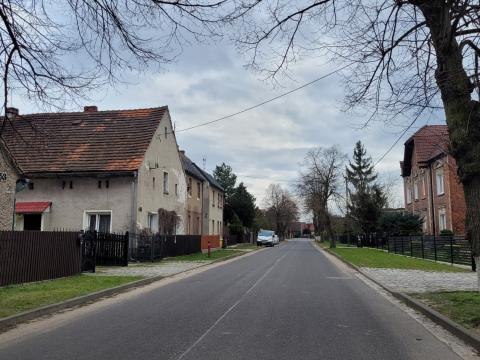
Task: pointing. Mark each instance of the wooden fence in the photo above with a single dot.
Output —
(27, 256)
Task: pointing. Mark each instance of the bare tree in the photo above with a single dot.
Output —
(405, 56)
(56, 51)
(321, 183)
(281, 209)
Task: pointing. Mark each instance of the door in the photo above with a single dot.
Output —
(32, 222)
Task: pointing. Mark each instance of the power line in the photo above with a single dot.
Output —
(266, 101)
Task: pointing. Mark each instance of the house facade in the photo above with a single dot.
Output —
(109, 171)
(8, 179)
(213, 201)
(432, 188)
(194, 224)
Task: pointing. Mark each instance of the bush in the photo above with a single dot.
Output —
(446, 232)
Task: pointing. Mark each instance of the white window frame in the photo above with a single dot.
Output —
(199, 190)
(409, 194)
(86, 218)
(442, 225)
(440, 174)
(151, 215)
(415, 190)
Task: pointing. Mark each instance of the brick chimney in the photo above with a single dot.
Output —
(183, 152)
(90, 108)
(11, 113)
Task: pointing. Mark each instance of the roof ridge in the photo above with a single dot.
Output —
(163, 107)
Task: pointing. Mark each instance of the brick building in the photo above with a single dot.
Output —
(432, 188)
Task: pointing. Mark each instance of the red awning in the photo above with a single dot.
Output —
(35, 207)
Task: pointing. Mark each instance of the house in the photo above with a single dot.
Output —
(9, 175)
(213, 201)
(432, 188)
(110, 171)
(195, 187)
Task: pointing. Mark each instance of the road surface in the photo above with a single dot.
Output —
(287, 302)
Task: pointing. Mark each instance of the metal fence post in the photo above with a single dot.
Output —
(403, 250)
(125, 248)
(411, 246)
(451, 249)
(423, 251)
(435, 246)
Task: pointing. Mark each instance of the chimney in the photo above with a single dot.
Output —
(11, 113)
(183, 152)
(90, 108)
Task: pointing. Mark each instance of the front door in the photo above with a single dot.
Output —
(32, 222)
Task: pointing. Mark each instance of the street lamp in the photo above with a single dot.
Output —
(20, 185)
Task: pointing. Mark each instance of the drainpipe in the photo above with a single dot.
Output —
(431, 200)
(133, 223)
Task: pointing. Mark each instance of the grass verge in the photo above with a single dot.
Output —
(214, 255)
(373, 258)
(244, 247)
(463, 307)
(18, 298)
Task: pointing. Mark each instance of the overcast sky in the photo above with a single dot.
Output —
(264, 145)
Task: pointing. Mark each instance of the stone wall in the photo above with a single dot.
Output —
(8, 179)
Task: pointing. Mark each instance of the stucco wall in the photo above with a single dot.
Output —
(162, 156)
(69, 205)
(7, 188)
(193, 220)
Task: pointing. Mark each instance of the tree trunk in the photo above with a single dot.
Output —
(328, 225)
(461, 112)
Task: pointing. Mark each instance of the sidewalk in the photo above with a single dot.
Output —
(417, 281)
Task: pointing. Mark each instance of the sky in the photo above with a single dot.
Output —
(265, 145)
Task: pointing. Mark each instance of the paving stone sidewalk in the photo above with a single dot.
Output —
(417, 281)
(166, 268)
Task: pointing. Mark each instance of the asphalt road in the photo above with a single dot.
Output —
(287, 302)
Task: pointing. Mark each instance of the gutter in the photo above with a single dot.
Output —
(134, 205)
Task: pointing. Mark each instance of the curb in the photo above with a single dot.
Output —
(14, 320)
(458, 330)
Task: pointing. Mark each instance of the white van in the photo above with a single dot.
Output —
(267, 238)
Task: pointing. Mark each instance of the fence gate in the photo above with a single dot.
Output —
(89, 247)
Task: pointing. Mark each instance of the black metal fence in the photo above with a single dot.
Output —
(154, 247)
(452, 249)
(248, 237)
(104, 249)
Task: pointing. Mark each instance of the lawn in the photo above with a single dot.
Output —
(215, 255)
(244, 246)
(19, 298)
(462, 307)
(373, 258)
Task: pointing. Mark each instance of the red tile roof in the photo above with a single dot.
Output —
(93, 141)
(429, 142)
(31, 207)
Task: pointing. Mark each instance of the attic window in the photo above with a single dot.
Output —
(99, 184)
(71, 184)
(166, 132)
(30, 186)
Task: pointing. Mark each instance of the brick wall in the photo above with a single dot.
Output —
(7, 188)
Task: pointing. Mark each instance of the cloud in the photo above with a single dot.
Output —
(264, 145)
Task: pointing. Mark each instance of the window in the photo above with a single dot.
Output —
(424, 188)
(71, 184)
(189, 187)
(415, 190)
(153, 183)
(213, 198)
(213, 227)
(166, 132)
(64, 183)
(176, 189)
(31, 186)
(409, 194)
(99, 221)
(199, 191)
(219, 200)
(107, 183)
(440, 184)
(442, 219)
(165, 182)
(99, 184)
(153, 222)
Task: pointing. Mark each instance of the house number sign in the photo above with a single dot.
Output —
(3, 176)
